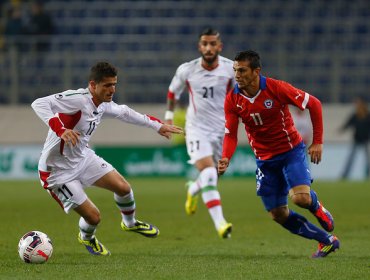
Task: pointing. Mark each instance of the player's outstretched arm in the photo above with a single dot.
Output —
(222, 165)
(166, 130)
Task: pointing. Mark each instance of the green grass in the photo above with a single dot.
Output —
(188, 247)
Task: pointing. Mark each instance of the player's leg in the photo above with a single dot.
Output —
(205, 167)
(299, 225)
(298, 180)
(123, 194)
(207, 182)
(88, 223)
(201, 150)
(272, 187)
(125, 201)
(100, 173)
(294, 222)
(305, 197)
(71, 196)
(193, 146)
(298, 177)
(192, 196)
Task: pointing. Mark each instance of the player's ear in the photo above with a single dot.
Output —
(92, 84)
(257, 70)
(221, 46)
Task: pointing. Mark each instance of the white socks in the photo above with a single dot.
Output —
(126, 204)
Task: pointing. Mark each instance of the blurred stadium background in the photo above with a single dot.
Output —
(319, 46)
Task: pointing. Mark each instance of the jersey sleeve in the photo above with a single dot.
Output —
(231, 130)
(178, 82)
(48, 109)
(128, 115)
(301, 99)
(315, 109)
(289, 94)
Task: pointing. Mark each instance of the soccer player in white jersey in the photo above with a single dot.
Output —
(67, 165)
(207, 79)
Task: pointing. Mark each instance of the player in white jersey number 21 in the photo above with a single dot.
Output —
(207, 80)
(67, 165)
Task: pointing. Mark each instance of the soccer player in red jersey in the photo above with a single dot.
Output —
(262, 105)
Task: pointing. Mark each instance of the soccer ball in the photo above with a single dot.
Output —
(35, 247)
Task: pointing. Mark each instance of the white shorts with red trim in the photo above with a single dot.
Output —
(200, 146)
(67, 186)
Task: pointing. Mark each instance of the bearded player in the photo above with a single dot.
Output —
(207, 80)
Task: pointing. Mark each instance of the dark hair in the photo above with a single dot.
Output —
(251, 56)
(210, 31)
(102, 70)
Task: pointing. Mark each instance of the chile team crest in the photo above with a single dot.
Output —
(268, 103)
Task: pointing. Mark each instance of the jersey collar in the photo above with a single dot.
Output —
(262, 85)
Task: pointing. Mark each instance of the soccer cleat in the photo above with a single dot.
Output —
(325, 249)
(94, 246)
(225, 230)
(324, 217)
(143, 228)
(191, 203)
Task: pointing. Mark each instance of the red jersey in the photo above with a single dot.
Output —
(267, 120)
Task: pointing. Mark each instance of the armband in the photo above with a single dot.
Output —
(168, 115)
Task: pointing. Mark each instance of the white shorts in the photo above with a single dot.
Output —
(200, 146)
(67, 186)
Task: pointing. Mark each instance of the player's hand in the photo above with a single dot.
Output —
(222, 165)
(71, 137)
(315, 152)
(166, 130)
(169, 122)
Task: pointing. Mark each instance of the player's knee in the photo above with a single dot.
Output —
(302, 199)
(204, 163)
(123, 187)
(279, 215)
(280, 219)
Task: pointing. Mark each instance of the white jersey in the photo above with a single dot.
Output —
(207, 92)
(77, 111)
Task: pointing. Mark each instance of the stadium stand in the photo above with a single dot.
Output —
(320, 46)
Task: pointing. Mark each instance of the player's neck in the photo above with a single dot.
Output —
(251, 91)
(94, 98)
(211, 66)
(95, 101)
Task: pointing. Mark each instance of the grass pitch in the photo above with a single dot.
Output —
(188, 247)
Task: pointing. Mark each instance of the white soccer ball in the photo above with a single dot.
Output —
(35, 247)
